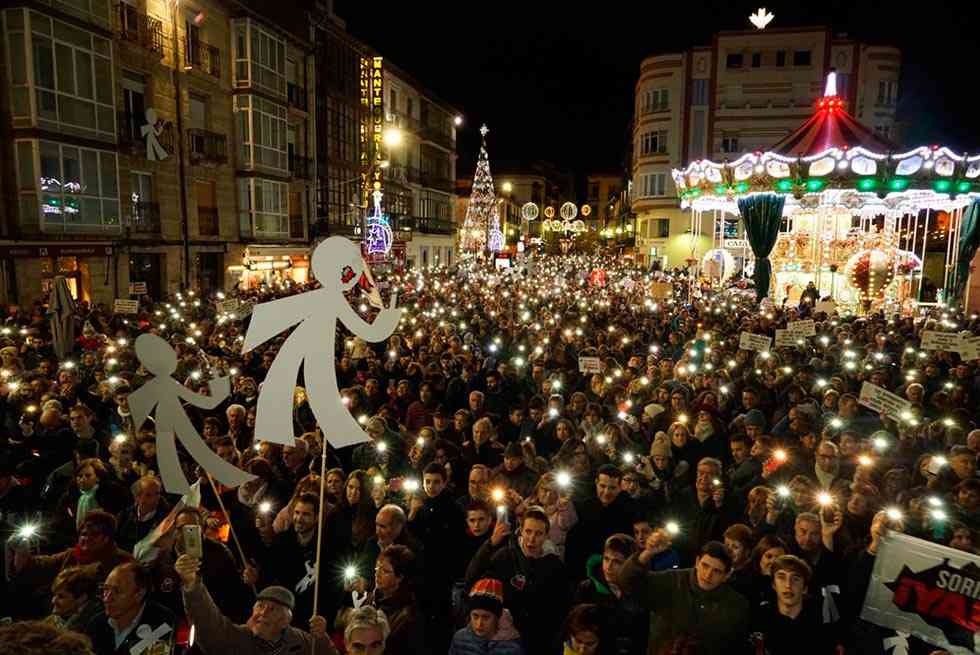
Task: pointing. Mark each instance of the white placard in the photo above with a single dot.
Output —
(734, 244)
(245, 308)
(589, 365)
(785, 338)
(805, 328)
(126, 306)
(825, 306)
(757, 342)
(921, 588)
(137, 288)
(944, 341)
(970, 349)
(228, 306)
(882, 401)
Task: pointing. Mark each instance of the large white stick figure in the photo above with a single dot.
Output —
(337, 264)
(165, 393)
(154, 150)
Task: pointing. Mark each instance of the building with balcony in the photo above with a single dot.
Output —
(744, 92)
(149, 141)
(602, 189)
(419, 180)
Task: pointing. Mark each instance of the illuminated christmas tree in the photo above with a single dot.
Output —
(481, 212)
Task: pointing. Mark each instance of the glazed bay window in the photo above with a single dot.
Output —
(263, 208)
(65, 189)
(262, 134)
(67, 70)
(260, 58)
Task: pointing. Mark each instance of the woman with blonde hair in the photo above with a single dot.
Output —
(549, 496)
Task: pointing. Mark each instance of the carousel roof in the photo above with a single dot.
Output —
(833, 152)
(830, 127)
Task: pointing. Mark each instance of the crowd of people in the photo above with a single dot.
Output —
(554, 462)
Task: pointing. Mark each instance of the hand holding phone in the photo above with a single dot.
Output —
(191, 542)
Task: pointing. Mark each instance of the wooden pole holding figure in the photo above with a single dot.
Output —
(319, 521)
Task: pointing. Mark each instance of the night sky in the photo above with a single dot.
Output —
(555, 81)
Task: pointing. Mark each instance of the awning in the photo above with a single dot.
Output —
(277, 252)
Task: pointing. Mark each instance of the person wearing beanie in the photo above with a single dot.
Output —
(513, 473)
(490, 629)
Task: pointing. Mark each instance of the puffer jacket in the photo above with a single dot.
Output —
(506, 641)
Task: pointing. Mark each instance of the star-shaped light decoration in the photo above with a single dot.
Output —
(761, 18)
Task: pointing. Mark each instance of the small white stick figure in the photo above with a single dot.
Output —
(338, 265)
(165, 393)
(150, 131)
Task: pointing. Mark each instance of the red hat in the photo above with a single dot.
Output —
(488, 594)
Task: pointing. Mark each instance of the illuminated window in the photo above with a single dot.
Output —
(260, 58)
(262, 133)
(263, 208)
(654, 143)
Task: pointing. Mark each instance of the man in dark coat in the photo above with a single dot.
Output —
(599, 517)
(129, 617)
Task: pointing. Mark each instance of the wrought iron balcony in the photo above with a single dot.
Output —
(135, 27)
(145, 218)
(207, 147)
(433, 181)
(438, 135)
(201, 56)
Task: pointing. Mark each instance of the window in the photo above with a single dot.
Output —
(134, 105)
(887, 92)
(662, 228)
(843, 84)
(409, 108)
(654, 143)
(780, 58)
(261, 133)
(78, 187)
(653, 185)
(801, 58)
(141, 212)
(699, 93)
(734, 60)
(756, 59)
(698, 129)
(393, 100)
(729, 143)
(95, 11)
(260, 57)
(199, 111)
(263, 208)
(656, 100)
(72, 76)
(593, 190)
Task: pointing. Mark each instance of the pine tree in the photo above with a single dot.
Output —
(482, 220)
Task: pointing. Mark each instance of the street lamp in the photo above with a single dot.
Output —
(508, 187)
(457, 121)
(392, 137)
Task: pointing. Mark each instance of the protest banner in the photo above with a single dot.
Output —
(126, 306)
(589, 365)
(784, 339)
(137, 288)
(927, 590)
(802, 329)
(882, 401)
(944, 341)
(758, 342)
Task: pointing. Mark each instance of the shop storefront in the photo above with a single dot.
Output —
(28, 271)
(273, 266)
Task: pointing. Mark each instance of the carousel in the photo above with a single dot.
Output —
(836, 205)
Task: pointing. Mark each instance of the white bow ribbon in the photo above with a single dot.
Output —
(305, 582)
(830, 613)
(900, 643)
(148, 636)
(358, 598)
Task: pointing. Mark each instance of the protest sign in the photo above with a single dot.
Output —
(882, 401)
(245, 308)
(661, 290)
(758, 342)
(126, 306)
(802, 329)
(137, 288)
(944, 341)
(228, 306)
(927, 590)
(825, 306)
(970, 349)
(589, 365)
(785, 338)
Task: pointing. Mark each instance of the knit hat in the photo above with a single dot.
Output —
(652, 410)
(754, 417)
(279, 595)
(488, 594)
(661, 446)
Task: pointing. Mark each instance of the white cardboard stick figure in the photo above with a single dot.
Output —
(150, 131)
(338, 265)
(165, 393)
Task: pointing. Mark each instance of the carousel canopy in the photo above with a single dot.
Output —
(833, 159)
(830, 127)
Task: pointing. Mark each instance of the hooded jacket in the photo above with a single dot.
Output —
(623, 619)
(506, 641)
